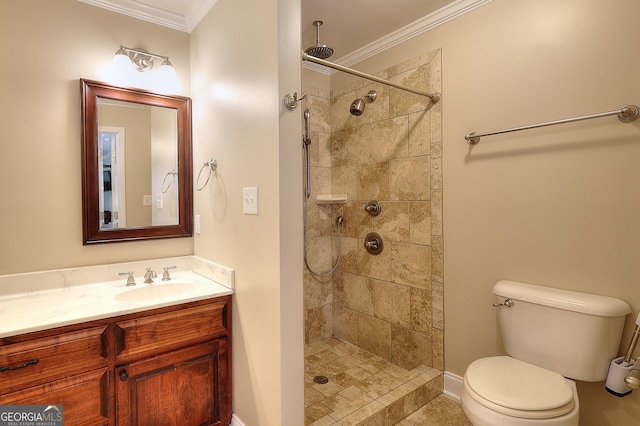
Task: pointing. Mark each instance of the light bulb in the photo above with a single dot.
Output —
(167, 78)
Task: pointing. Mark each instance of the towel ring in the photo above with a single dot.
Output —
(165, 186)
(212, 165)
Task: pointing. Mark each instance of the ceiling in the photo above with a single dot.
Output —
(355, 29)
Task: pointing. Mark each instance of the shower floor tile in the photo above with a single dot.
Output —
(364, 389)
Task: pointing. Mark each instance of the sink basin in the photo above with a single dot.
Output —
(155, 291)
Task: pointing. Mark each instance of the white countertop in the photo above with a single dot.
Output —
(40, 310)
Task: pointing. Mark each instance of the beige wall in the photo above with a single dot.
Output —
(236, 97)
(558, 206)
(239, 120)
(47, 47)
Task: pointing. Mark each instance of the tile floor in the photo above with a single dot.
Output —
(366, 390)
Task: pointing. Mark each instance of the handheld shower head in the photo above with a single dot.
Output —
(320, 51)
(357, 106)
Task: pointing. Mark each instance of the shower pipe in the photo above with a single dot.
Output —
(626, 114)
(306, 141)
(433, 97)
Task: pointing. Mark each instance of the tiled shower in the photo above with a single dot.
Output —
(389, 304)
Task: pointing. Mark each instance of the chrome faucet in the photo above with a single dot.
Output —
(130, 280)
(149, 275)
(165, 275)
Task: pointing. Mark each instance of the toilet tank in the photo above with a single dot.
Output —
(574, 334)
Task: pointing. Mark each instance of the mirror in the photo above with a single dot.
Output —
(136, 164)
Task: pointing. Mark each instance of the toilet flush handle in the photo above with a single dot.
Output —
(508, 303)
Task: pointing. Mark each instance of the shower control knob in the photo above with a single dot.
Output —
(373, 243)
(373, 208)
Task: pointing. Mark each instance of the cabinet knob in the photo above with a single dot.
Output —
(123, 375)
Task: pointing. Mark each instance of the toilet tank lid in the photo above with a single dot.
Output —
(586, 303)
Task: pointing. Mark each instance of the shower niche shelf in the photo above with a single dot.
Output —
(324, 199)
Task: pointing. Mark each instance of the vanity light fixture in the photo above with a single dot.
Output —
(140, 58)
(127, 58)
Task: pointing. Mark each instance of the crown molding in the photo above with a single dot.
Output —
(420, 26)
(198, 11)
(142, 11)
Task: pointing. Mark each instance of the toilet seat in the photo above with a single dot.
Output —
(518, 389)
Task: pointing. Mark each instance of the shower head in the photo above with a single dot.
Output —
(357, 106)
(320, 51)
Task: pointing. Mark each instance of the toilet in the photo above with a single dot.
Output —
(552, 337)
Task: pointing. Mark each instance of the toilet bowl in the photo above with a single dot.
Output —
(548, 334)
(504, 391)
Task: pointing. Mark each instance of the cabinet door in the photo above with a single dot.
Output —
(182, 387)
(86, 398)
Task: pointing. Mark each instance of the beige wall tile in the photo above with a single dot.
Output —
(344, 180)
(392, 302)
(419, 136)
(374, 266)
(340, 117)
(402, 102)
(390, 139)
(411, 265)
(393, 223)
(357, 222)
(350, 255)
(374, 336)
(437, 256)
(358, 294)
(345, 147)
(421, 310)
(410, 349)
(410, 178)
(437, 294)
(420, 222)
(373, 181)
(345, 324)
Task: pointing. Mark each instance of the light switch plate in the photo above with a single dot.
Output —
(250, 200)
(196, 224)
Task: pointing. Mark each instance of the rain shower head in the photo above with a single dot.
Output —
(320, 51)
(357, 106)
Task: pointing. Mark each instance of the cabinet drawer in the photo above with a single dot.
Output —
(48, 358)
(170, 330)
(86, 398)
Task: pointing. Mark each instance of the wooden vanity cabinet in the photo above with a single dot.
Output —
(168, 366)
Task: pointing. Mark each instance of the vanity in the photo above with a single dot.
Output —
(112, 354)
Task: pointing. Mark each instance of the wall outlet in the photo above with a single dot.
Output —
(250, 200)
(159, 202)
(147, 200)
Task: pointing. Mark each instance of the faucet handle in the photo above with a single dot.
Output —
(130, 280)
(149, 275)
(165, 274)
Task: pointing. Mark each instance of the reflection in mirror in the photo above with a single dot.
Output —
(137, 174)
(138, 141)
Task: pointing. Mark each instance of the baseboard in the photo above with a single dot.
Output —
(452, 385)
(235, 421)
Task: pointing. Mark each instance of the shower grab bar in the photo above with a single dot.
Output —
(626, 114)
(433, 97)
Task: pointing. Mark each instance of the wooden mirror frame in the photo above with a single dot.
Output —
(91, 231)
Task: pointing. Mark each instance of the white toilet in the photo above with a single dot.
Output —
(552, 337)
